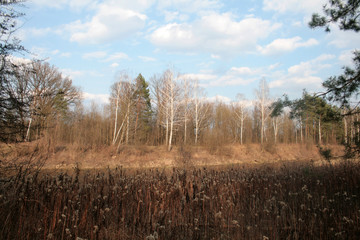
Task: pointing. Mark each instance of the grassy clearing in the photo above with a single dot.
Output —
(291, 201)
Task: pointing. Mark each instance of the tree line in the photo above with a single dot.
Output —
(169, 109)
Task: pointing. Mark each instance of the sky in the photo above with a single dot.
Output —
(227, 45)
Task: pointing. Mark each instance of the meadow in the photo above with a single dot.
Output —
(295, 200)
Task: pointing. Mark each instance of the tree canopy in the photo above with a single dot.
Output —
(343, 89)
(345, 14)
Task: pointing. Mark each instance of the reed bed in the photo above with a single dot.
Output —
(294, 201)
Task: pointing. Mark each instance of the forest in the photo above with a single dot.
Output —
(169, 115)
(169, 109)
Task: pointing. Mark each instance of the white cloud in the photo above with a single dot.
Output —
(343, 39)
(117, 56)
(73, 4)
(99, 98)
(306, 6)
(219, 34)
(104, 56)
(297, 24)
(346, 58)
(219, 98)
(19, 60)
(190, 6)
(310, 67)
(200, 76)
(110, 23)
(34, 32)
(97, 54)
(242, 70)
(273, 66)
(283, 45)
(73, 74)
(172, 16)
(235, 76)
(238, 76)
(136, 5)
(147, 59)
(45, 53)
(303, 75)
(65, 54)
(114, 65)
(214, 56)
(232, 79)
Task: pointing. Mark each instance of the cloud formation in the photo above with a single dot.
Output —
(216, 33)
(305, 6)
(285, 45)
(303, 75)
(110, 23)
(98, 98)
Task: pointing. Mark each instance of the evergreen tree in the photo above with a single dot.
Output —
(10, 100)
(344, 89)
(143, 111)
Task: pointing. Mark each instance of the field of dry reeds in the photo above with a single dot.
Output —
(292, 201)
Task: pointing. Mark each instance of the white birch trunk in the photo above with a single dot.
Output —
(127, 124)
(116, 117)
(27, 138)
(320, 139)
(241, 128)
(171, 112)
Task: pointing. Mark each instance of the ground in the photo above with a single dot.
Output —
(67, 157)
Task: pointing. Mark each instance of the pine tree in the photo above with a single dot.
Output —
(343, 89)
(143, 111)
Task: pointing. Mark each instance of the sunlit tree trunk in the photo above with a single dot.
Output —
(263, 100)
(187, 94)
(320, 138)
(201, 110)
(345, 128)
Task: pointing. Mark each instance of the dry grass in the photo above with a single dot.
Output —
(286, 201)
(65, 157)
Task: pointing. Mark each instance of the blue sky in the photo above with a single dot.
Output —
(228, 45)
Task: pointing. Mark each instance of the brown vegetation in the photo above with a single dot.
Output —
(288, 201)
(142, 156)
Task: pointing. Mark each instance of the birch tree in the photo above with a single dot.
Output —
(240, 113)
(121, 98)
(263, 102)
(167, 92)
(187, 96)
(201, 109)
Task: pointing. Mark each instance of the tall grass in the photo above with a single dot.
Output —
(294, 201)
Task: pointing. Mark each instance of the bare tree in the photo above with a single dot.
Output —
(167, 93)
(51, 95)
(171, 92)
(187, 95)
(122, 99)
(201, 108)
(263, 102)
(240, 113)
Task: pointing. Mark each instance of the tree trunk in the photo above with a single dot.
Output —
(345, 130)
(28, 131)
(172, 117)
(241, 130)
(127, 124)
(116, 118)
(320, 139)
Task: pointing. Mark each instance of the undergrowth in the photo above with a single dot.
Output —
(289, 202)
